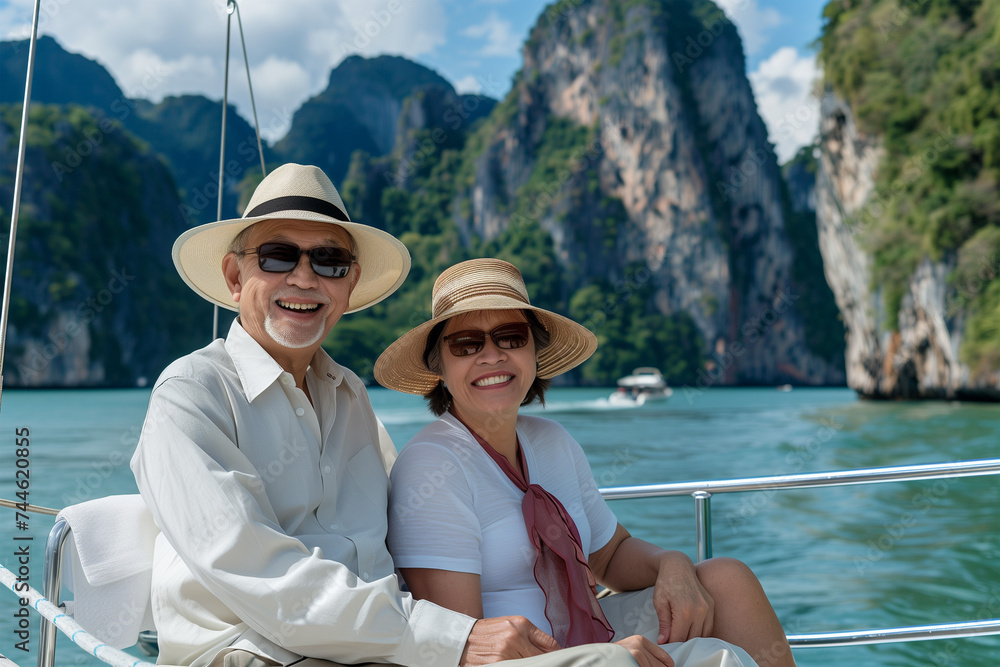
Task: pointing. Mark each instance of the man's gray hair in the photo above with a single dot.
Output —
(239, 243)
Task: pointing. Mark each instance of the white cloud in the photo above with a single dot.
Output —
(500, 40)
(14, 24)
(155, 49)
(783, 87)
(468, 84)
(754, 24)
(276, 81)
(148, 75)
(408, 28)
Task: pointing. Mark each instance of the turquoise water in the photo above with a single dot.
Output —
(835, 559)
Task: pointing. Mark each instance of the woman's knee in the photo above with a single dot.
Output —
(727, 573)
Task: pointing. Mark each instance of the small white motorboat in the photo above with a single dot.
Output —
(644, 384)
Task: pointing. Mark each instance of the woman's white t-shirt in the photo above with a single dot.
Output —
(453, 508)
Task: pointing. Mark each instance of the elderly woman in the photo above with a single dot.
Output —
(493, 513)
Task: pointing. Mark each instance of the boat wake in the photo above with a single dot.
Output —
(580, 406)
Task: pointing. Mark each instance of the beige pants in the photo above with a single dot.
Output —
(592, 655)
(628, 613)
(633, 614)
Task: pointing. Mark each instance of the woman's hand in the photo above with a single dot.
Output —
(684, 608)
(645, 652)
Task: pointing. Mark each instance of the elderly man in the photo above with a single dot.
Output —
(264, 466)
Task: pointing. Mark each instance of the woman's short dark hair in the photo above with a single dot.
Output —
(439, 398)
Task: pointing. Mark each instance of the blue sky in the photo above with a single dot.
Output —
(155, 49)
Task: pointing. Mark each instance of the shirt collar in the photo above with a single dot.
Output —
(326, 369)
(258, 370)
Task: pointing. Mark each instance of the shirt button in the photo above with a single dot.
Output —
(334, 526)
(364, 575)
(285, 380)
(326, 469)
(300, 411)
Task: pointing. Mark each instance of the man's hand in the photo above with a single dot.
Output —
(645, 652)
(505, 638)
(683, 606)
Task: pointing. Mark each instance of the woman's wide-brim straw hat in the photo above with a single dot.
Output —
(474, 286)
(292, 192)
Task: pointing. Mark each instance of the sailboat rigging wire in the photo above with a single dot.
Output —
(68, 626)
(253, 104)
(232, 6)
(18, 178)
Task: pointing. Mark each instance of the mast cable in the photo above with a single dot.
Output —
(253, 104)
(222, 149)
(232, 6)
(18, 179)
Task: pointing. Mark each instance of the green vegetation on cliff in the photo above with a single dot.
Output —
(417, 210)
(825, 331)
(94, 289)
(631, 333)
(976, 291)
(423, 212)
(925, 76)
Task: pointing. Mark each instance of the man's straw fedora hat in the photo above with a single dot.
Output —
(476, 285)
(292, 192)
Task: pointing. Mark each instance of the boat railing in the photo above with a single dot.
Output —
(702, 492)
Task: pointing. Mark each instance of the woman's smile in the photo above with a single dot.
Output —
(493, 380)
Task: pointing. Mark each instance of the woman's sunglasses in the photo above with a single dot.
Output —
(509, 336)
(328, 261)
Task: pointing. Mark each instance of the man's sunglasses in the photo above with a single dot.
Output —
(509, 336)
(328, 261)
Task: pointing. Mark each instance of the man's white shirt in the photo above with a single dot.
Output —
(273, 517)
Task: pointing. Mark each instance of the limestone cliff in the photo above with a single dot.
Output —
(920, 358)
(675, 182)
(357, 111)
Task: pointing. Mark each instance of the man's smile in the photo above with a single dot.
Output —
(288, 305)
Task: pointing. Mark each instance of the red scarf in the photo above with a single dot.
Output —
(561, 567)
